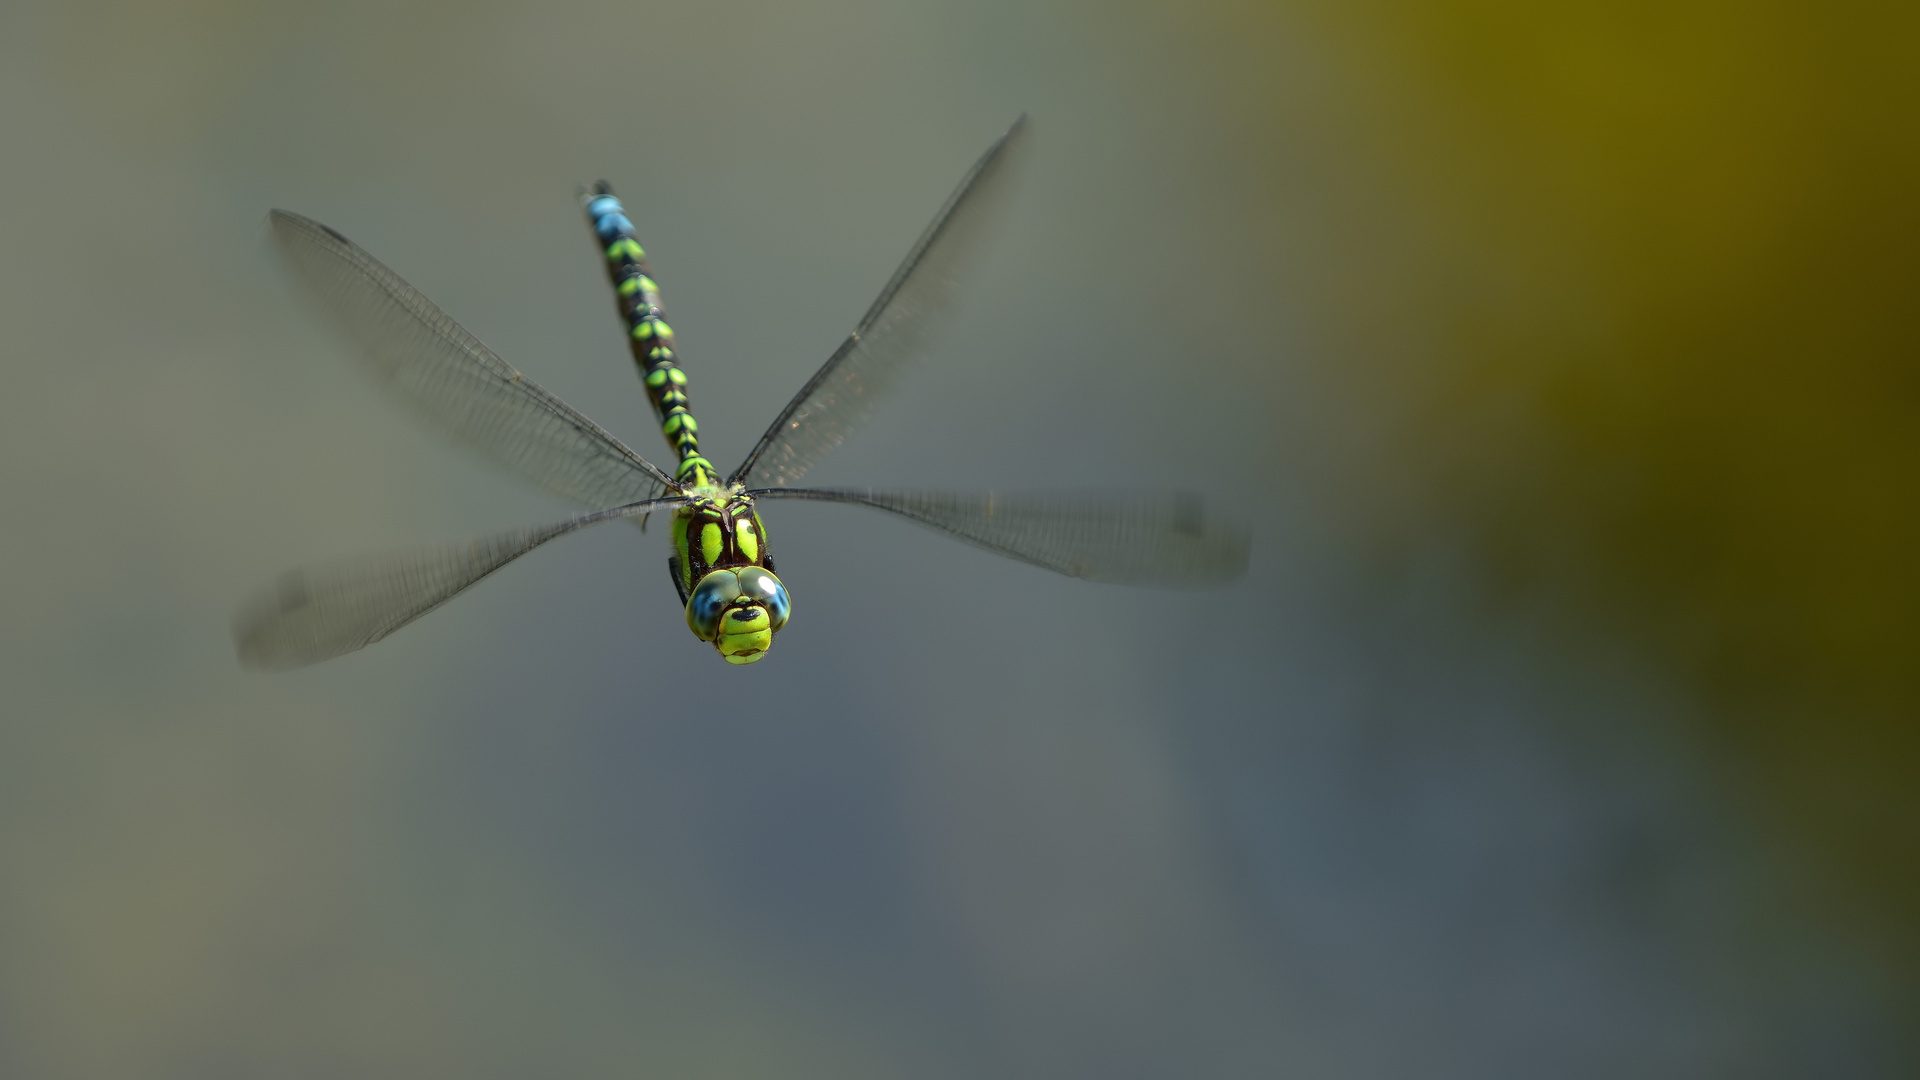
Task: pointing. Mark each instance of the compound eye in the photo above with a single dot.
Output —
(758, 584)
(709, 600)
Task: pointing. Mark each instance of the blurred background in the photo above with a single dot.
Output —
(1564, 724)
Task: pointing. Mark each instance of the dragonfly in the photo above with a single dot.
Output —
(721, 564)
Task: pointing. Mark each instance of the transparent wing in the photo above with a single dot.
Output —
(896, 329)
(1135, 538)
(319, 612)
(455, 381)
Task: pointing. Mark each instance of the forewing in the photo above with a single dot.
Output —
(315, 613)
(456, 382)
(1135, 538)
(896, 329)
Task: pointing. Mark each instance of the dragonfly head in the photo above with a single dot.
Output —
(739, 610)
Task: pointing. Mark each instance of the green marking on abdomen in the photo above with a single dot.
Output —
(651, 340)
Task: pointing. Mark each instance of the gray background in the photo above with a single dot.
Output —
(1360, 815)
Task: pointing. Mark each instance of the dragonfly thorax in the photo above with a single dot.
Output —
(711, 532)
(723, 571)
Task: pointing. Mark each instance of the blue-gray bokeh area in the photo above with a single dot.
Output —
(1342, 819)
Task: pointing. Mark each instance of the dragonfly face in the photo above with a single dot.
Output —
(722, 567)
(739, 610)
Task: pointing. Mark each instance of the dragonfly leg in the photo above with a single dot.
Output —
(673, 567)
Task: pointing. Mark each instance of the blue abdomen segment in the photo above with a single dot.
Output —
(648, 334)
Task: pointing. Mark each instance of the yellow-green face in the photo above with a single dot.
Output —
(738, 610)
(746, 633)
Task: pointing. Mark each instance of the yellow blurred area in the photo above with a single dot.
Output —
(1666, 356)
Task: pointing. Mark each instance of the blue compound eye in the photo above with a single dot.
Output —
(760, 585)
(709, 600)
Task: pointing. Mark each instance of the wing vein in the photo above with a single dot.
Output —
(434, 364)
(314, 613)
(1167, 538)
(895, 329)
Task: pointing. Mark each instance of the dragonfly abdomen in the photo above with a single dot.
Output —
(648, 334)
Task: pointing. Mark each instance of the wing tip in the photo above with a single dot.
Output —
(287, 224)
(1014, 137)
(256, 650)
(261, 625)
